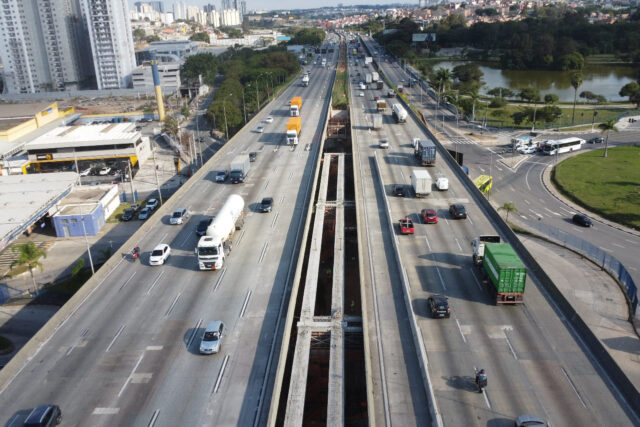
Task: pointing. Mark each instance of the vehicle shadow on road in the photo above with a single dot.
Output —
(191, 340)
(461, 382)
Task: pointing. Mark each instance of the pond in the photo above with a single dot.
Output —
(601, 79)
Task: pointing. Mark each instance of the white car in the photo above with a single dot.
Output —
(152, 204)
(104, 171)
(160, 254)
(361, 94)
(85, 172)
(260, 129)
(442, 184)
(527, 150)
(268, 120)
(384, 143)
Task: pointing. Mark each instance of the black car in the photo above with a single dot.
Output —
(128, 214)
(439, 306)
(44, 416)
(266, 204)
(596, 140)
(202, 226)
(252, 156)
(458, 211)
(399, 191)
(582, 219)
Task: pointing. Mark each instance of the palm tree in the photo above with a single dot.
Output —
(441, 78)
(608, 126)
(576, 82)
(508, 207)
(28, 254)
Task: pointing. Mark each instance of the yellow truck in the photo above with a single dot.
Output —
(293, 130)
(295, 106)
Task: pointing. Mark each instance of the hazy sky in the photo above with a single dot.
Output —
(270, 4)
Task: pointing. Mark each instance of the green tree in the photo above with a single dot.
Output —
(205, 64)
(573, 61)
(576, 82)
(153, 38)
(200, 37)
(607, 127)
(28, 255)
(440, 79)
(551, 98)
(632, 90)
(139, 34)
(468, 72)
(508, 207)
(184, 110)
(171, 126)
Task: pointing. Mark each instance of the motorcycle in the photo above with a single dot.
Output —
(481, 380)
(135, 253)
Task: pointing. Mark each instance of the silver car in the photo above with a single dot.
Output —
(179, 216)
(212, 338)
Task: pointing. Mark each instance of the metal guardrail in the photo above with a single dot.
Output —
(605, 260)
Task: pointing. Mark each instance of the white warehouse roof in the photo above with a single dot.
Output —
(86, 136)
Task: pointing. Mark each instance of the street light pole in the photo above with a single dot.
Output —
(224, 110)
(155, 168)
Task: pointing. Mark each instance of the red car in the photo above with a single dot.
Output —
(429, 216)
(406, 226)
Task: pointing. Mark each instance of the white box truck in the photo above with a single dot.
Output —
(239, 168)
(377, 121)
(421, 182)
(216, 243)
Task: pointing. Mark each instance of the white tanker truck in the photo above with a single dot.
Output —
(216, 242)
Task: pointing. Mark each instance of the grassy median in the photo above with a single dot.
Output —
(607, 186)
(340, 93)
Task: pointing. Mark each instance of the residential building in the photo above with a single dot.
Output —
(111, 42)
(42, 46)
(169, 76)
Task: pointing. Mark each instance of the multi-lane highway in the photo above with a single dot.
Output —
(128, 354)
(535, 364)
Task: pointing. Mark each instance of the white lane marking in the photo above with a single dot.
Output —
(476, 279)
(220, 374)
(168, 312)
(523, 217)
(460, 247)
(264, 251)
(527, 202)
(620, 246)
(274, 220)
(115, 338)
(266, 184)
(154, 348)
(481, 170)
(193, 334)
(498, 168)
(441, 279)
(154, 418)
(513, 352)
(428, 245)
(470, 220)
(155, 282)
(222, 273)
(128, 280)
(244, 305)
(486, 398)
(184, 240)
(631, 241)
(460, 330)
(566, 375)
(566, 210)
(447, 221)
(105, 411)
(164, 237)
(552, 212)
(536, 213)
(130, 375)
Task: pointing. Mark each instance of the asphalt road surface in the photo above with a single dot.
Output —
(129, 353)
(534, 364)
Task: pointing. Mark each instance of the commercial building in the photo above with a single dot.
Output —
(169, 76)
(114, 145)
(84, 210)
(168, 51)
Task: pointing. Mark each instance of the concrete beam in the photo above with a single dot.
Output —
(298, 382)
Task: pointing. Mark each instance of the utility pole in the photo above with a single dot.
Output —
(155, 168)
(86, 240)
(133, 194)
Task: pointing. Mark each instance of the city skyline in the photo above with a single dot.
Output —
(269, 5)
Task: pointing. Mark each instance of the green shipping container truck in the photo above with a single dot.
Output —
(505, 272)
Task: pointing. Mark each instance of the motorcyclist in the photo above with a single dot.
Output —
(136, 252)
(481, 379)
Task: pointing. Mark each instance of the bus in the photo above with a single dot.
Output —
(484, 183)
(560, 146)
